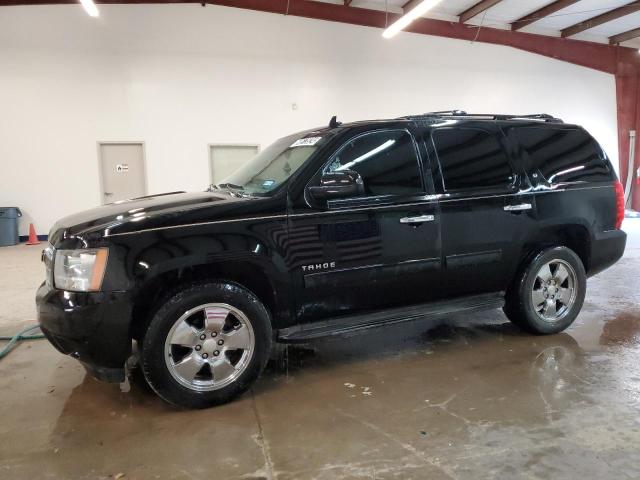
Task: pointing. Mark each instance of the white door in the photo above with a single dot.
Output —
(226, 159)
(122, 171)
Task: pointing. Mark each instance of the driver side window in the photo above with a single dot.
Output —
(386, 161)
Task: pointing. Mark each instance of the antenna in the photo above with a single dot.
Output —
(333, 123)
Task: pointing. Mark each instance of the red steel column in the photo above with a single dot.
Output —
(628, 103)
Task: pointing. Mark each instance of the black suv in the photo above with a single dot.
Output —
(334, 230)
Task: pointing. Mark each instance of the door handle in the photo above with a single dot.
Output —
(420, 219)
(518, 208)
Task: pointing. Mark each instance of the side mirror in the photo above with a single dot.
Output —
(338, 184)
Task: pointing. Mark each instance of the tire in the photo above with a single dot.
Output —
(561, 289)
(206, 345)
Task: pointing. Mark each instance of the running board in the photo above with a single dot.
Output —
(353, 323)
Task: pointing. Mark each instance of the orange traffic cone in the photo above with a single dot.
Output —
(33, 238)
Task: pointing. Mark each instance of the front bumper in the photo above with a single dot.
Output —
(92, 327)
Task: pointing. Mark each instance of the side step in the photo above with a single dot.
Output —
(352, 323)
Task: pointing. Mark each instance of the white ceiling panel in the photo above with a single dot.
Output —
(394, 6)
(509, 10)
(579, 12)
(622, 24)
(454, 7)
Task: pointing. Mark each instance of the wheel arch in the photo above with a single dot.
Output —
(575, 236)
(256, 277)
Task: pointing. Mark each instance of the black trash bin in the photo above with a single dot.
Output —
(9, 226)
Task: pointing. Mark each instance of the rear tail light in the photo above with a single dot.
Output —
(619, 204)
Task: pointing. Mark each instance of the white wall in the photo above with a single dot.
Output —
(180, 77)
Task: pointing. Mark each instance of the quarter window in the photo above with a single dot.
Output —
(471, 158)
(386, 161)
(564, 155)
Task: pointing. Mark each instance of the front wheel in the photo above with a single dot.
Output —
(206, 345)
(549, 293)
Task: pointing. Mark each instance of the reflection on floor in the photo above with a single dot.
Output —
(466, 398)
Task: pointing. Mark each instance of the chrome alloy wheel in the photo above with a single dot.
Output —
(554, 290)
(209, 346)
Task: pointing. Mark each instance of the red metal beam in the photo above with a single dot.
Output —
(541, 13)
(587, 54)
(628, 102)
(624, 36)
(477, 9)
(4, 3)
(600, 19)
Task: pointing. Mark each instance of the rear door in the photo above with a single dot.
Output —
(377, 250)
(484, 213)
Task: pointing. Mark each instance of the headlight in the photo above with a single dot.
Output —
(80, 270)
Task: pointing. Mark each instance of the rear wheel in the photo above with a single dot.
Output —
(549, 293)
(206, 345)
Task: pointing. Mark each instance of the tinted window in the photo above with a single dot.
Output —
(471, 158)
(386, 161)
(563, 155)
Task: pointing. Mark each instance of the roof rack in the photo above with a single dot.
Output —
(448, 112)
(542, 117)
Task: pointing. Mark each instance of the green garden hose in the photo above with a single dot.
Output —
(23, 335)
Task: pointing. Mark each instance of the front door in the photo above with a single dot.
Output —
(375, 250)
(484, 213)
(122, 171)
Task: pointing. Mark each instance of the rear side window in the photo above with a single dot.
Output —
(386, 161)
(471, 159)
(564, 155)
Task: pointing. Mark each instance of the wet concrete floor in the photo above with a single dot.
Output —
(468, 397)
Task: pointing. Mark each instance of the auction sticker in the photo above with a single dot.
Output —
(305, 142)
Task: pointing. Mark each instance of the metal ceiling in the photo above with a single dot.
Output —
(601, 21)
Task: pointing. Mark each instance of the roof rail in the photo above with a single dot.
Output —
(542, 117)
(535, 116)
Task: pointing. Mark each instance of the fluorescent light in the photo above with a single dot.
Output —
(404, 21)
(90, 8)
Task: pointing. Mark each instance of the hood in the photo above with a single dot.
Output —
(138, 213)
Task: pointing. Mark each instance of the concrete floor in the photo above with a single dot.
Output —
(467, 398)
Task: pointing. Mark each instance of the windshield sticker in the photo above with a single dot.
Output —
(268, 183)
(305, 142)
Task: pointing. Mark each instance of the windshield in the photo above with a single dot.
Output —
(274, 165)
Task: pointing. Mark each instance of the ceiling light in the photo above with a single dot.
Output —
(404, 21)
(90, 8)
